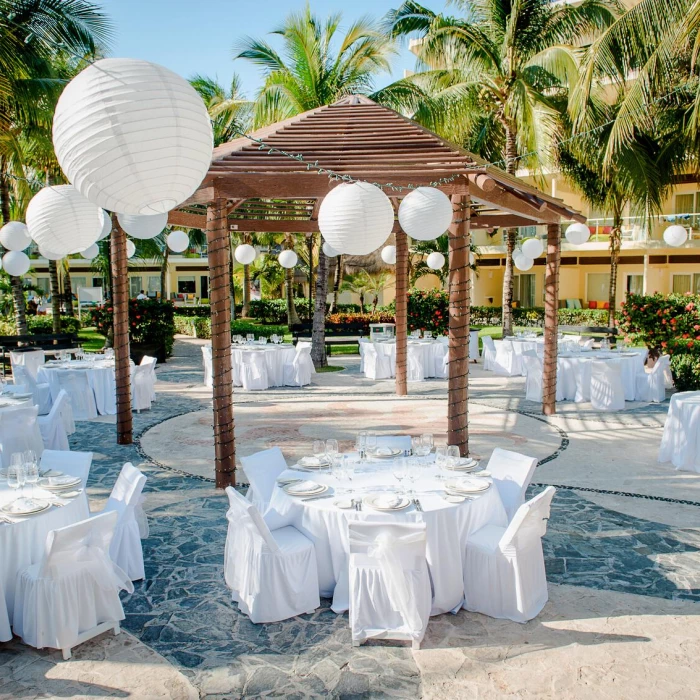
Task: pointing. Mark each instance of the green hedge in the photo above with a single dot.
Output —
(275, 310)
(685, 368)
(38, 325)
(201, 328)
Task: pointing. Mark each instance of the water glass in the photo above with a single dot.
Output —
(399, 472)
(412, 474)
(319, 449)
(453, 455)
(371, 443)
(15, 472)
(250, 337)
(416, 444)
(31, 474)
(331, 448)
(109, 353)
(361, 444)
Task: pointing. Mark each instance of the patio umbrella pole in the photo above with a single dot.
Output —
(459, 284)
(120, 303)
(401, 312)
(551, 319)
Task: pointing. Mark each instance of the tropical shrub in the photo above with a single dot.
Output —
(195, 326)
(685, 368)
(428, 310)
(203, 311)
(201, 328)
(275, 310)
(40, 325)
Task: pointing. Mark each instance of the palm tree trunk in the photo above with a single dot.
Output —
(401, 313)
(551, 319)
(245, 311)
(615, 245)
(55, 297)
(318, 333)
(18, 299)
(511, 233)
(337, 281)
(310, 249)
(164, 274)
(292, 315)
(232, 286)
(362, 302)
(68, 288)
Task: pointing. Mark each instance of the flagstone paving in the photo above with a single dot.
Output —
(625, 591)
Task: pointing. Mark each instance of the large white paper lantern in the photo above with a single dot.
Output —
(49, 255)
(132, 136)
(436, 261)
(91, 252)
(577, 234)
(141, 226)
(288, 258)
(675, 235)
(532, 248)
(522, 261)
(178, 241)
(106, 226)
(245, 254)
(15, 263)
(14, 235)
(329, 251)
(356, 218)
(61, 220)
(425, 213)
(389, 254)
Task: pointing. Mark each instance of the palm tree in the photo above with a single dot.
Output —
(499, 76)
(359, 283)
(230, 112)
(379, 281)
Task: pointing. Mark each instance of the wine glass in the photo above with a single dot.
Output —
(332, 448)
(412, 474)
(371, 443)
(318, 449)
(399, 472)
(416, 444)
(31, 474)
(453, 456)
(361, 444)
(15, 472)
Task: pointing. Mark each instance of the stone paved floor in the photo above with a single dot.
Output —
(623, 614)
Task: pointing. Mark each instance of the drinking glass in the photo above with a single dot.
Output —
(440, 459)
(109, 353)
(453, 455)
(412, 474)
(319, 449)
(31, 475)
(428, 334)
(337, 472)
(15, 472)
(399, 472)
(332, 448)
(361, 444)
(416, 444)
(371, 443)
(250, 337)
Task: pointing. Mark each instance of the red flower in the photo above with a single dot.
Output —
(691, 343)
(110, 309)
(663, 343)
(685, 335)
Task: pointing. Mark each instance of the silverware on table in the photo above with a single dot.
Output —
(417, 504)
(318, 498)
(358, 503)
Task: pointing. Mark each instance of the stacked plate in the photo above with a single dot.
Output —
(387, 452)
(25, 506)
(466, 485)
(387, 502)
(466, 464)
(62, 482)
(304, 488)
(314, 463)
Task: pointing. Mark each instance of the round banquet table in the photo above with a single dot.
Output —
(432, 354)
(680, 443)
(448, 527)
(22, 542)
(574, 372)
(519, 346)
(100, 376)
(276, 358)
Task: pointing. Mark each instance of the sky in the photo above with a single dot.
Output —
(199, 36)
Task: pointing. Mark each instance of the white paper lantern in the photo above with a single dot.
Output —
(472, 258)
(132, 136)
(522, 261)
(15, 263)
(532, 248)
(142, 227)
(60, 219)
(356, 218)
(178, 241)
(389, 254)
(435, 261)
(14, 235)
(49, 255)
(577, 234)
(425, 213)
(329, 251)
(106, 226)
(288, 258)
(245, 254)
(130, 249)
(91, 252)
(675, 235)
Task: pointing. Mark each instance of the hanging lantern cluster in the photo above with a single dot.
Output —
(675, 235)
(91, 252)
(522, 262)
(15, 263)
(14, 235)
(141, 226)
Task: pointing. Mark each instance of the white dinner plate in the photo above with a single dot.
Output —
(57, 483)
(382, 502)
(387, 452)
(465, 465)
(451, 498)
(466, 485)
(305, 488)
(313, 463)
(344, 503)
(25, 506)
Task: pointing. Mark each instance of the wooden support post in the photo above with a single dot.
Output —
(220, 299)
(401, 313)
(459, 283)
(120, 304)
(551, 319)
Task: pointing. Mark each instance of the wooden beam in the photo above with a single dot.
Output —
(182, 218)
(498, 221)
(508, 202)
(401, 271)
(551, 319)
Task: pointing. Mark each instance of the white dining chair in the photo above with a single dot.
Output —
(72, 594)
(53, 427)
(390, 593)
(262, 470)
(41, 392)
(534, 373)
(31, 360)
(506, 363)
(150, 362)
(125, 549)
(414, 361)
(19, 431)
(607, 389)
(361, 345)
(76, 384)
(651, 386)
(272, 574)
(302, 368)
(504, 573)
(141, 388)
(512, 473)
(377, 364)
(488, 353)
(206, 357)
(72, 463)
(254, 371)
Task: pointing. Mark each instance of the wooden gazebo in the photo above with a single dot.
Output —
(254, 184)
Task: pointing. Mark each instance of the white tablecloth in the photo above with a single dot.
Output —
(276, 358)
(448, 528)
(574, 372)
(680, 443)
(519, 345)
(432, 354)
(100, 377)
(22, 543)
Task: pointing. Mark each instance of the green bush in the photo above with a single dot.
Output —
(201, 328)
(203, 311)
(685, 368)
(44, 324)
(196, 327)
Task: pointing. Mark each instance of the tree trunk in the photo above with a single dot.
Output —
(318, 333)
(68, 288)
(310, 252)
(164, 274)
(220, 300)
(362, 302)
(292, 315)
(337, 281)
(55, 296)
(120, 304)
(615, 245)
(232, 286)
(459, 284)
(245, 311)
(551, 319)
(510, 234)
(401, 313)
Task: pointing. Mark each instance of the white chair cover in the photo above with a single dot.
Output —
(76, 384)
(150, 362)
(395, 442)
(19, 431)
(512, 474)
(533, 365)
(651, 386)
(73, 593)
(126, 549)
(362, 344)
(607, 389)
(41, 392)
(488, 353)
(414, 361)
(300, 371)
(31, 360)
(390, 594)
(680, 443)
(588, 343)
(254, 371)
(52, 427)
(72, 463)
(141, 387)
(206, 356)
(262, 469)
(507, 362)
(504, 574)
(474, 345)
(377, 365)
(272, 575)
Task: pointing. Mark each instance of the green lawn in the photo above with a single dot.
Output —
(91, 340)
(329, 368)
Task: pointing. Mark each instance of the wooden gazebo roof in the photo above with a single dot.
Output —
(359, 139)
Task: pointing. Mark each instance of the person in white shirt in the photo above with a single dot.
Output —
(142, 295)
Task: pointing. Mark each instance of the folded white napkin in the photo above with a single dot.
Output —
(303, 486)
(312, 461)
(22, 505)
(466, 483)
(384, 451)
(388, 501)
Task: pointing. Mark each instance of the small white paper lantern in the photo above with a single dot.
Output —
(142, 227)
(389, 254)
(522, 261)
(106, 226)
(132, 136)
(425, 213)
(435, 261)
(356, 218)
(288, 258)
(91, 252)
(15, 263)
(245, 254)
(49, 255)
(532, 248)
(178, 241)
(329, 251)
(60, 219)
(472, 258)
(577, 234)
(675, 235)
(130, 249)
(14, 235)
